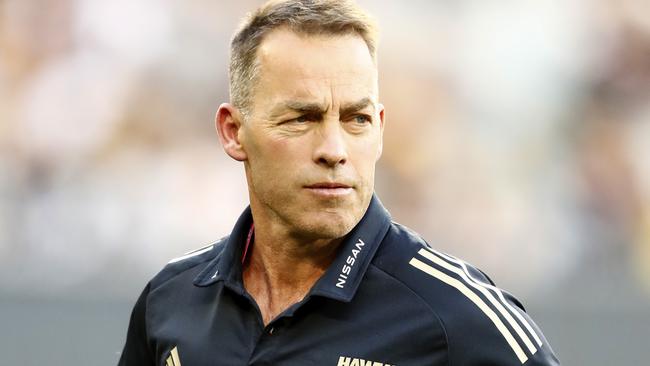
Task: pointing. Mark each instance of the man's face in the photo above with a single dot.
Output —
(313, 134)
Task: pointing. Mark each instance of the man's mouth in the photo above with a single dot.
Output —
(330, 189)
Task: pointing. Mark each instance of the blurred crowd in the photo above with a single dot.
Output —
(517, 137)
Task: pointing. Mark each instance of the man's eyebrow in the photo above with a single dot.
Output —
(297, 106)
(356, 106)
(316, 108)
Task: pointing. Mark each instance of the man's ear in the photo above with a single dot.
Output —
(381, 130)
(228, 123)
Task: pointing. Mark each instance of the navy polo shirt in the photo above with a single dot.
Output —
(387, 299)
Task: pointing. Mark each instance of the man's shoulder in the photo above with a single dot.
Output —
(411, 260)
(453, 289)
(470, 307)
(193, 261)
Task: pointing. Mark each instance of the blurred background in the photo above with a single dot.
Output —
(517, 138)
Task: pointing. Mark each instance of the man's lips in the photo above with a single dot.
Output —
(329, 189)
(328, 185)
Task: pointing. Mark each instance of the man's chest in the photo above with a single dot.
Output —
(370, 330)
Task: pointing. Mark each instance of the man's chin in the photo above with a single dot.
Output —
(328, 225)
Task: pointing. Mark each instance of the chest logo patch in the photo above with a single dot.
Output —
(351, 361)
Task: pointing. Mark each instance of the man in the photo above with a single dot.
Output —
(314, 271)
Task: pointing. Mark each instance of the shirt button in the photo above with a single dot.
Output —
(271, 330)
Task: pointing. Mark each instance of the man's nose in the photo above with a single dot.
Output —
(331, 149)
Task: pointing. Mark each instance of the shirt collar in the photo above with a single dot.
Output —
(342, 278)
(227, 265)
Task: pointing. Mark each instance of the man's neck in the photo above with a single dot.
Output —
(281, 269)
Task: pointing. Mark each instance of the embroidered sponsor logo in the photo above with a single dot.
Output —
(349, 263)
(351, 361)
(173, 359)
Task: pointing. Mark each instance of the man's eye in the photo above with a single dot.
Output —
(307, 118)
(362, 119)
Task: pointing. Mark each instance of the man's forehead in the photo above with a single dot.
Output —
(291, 51)
(283, 37)
(298, 72)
